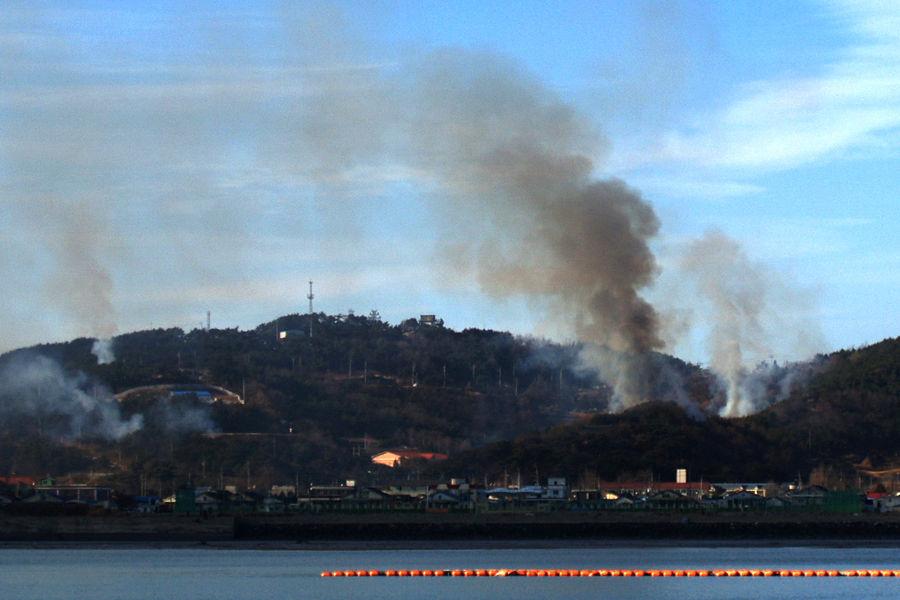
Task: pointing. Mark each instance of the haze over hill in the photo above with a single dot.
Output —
(676, 195)
(494, 402)
(144, 182)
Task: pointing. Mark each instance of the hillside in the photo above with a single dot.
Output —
(307, 400)
(315, 407)
(839, 427)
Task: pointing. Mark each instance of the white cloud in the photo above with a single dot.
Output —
(787, 121)
(693, 187)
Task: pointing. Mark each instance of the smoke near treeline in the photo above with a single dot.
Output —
(38, 395)
(512, 174)
(58, 404)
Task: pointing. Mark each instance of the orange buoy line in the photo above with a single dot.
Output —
(730, 572)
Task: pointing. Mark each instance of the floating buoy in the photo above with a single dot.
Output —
(614, 573)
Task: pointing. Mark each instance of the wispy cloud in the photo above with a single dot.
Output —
(694, 187)
(787, 121)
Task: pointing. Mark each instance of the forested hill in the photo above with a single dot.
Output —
(321, 393)
(840, 425)
(314, 398)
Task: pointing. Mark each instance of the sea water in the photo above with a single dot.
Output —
(246, 571)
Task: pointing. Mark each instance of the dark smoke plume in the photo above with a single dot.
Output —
(197, 149)
(512, 170)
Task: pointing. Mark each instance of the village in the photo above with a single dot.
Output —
(456, 495)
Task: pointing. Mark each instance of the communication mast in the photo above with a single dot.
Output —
(310, 297)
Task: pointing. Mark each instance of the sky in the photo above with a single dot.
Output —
(478, 161)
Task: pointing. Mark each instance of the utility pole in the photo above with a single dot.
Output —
(310, 297)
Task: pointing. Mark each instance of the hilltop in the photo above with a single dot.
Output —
(313, 408)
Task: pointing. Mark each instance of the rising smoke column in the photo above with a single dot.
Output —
(81, 286)
(751, 313)
(507, 169)
(516, 166)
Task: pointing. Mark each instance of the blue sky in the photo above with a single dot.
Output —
(158, 162)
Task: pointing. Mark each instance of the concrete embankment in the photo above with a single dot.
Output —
(115, 527)
(427, 526)
(638, 526)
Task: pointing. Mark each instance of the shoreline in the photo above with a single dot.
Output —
(452, 545)
(465, 530)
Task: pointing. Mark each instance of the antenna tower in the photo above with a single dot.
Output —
(310, 297)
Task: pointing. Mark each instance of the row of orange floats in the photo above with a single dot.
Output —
(615, 573)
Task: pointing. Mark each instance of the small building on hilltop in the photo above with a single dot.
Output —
(396, 458)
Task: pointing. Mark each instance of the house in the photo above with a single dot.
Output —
(610, 490)
(760, 489)
(777, 502)
(556, 489)
(813, 495)
(882, 502)
(395, 458)
(81, 493)
(206, 502)
(408, 489)
(284, 491)
(668, 499)
(458, 493)
(44, 497)
(623, 501)
(325, 494)
(444, 498)
(146, 504)
(741, 499)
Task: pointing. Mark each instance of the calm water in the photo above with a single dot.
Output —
(247, 572)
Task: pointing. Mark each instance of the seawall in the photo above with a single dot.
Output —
(426, 526)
